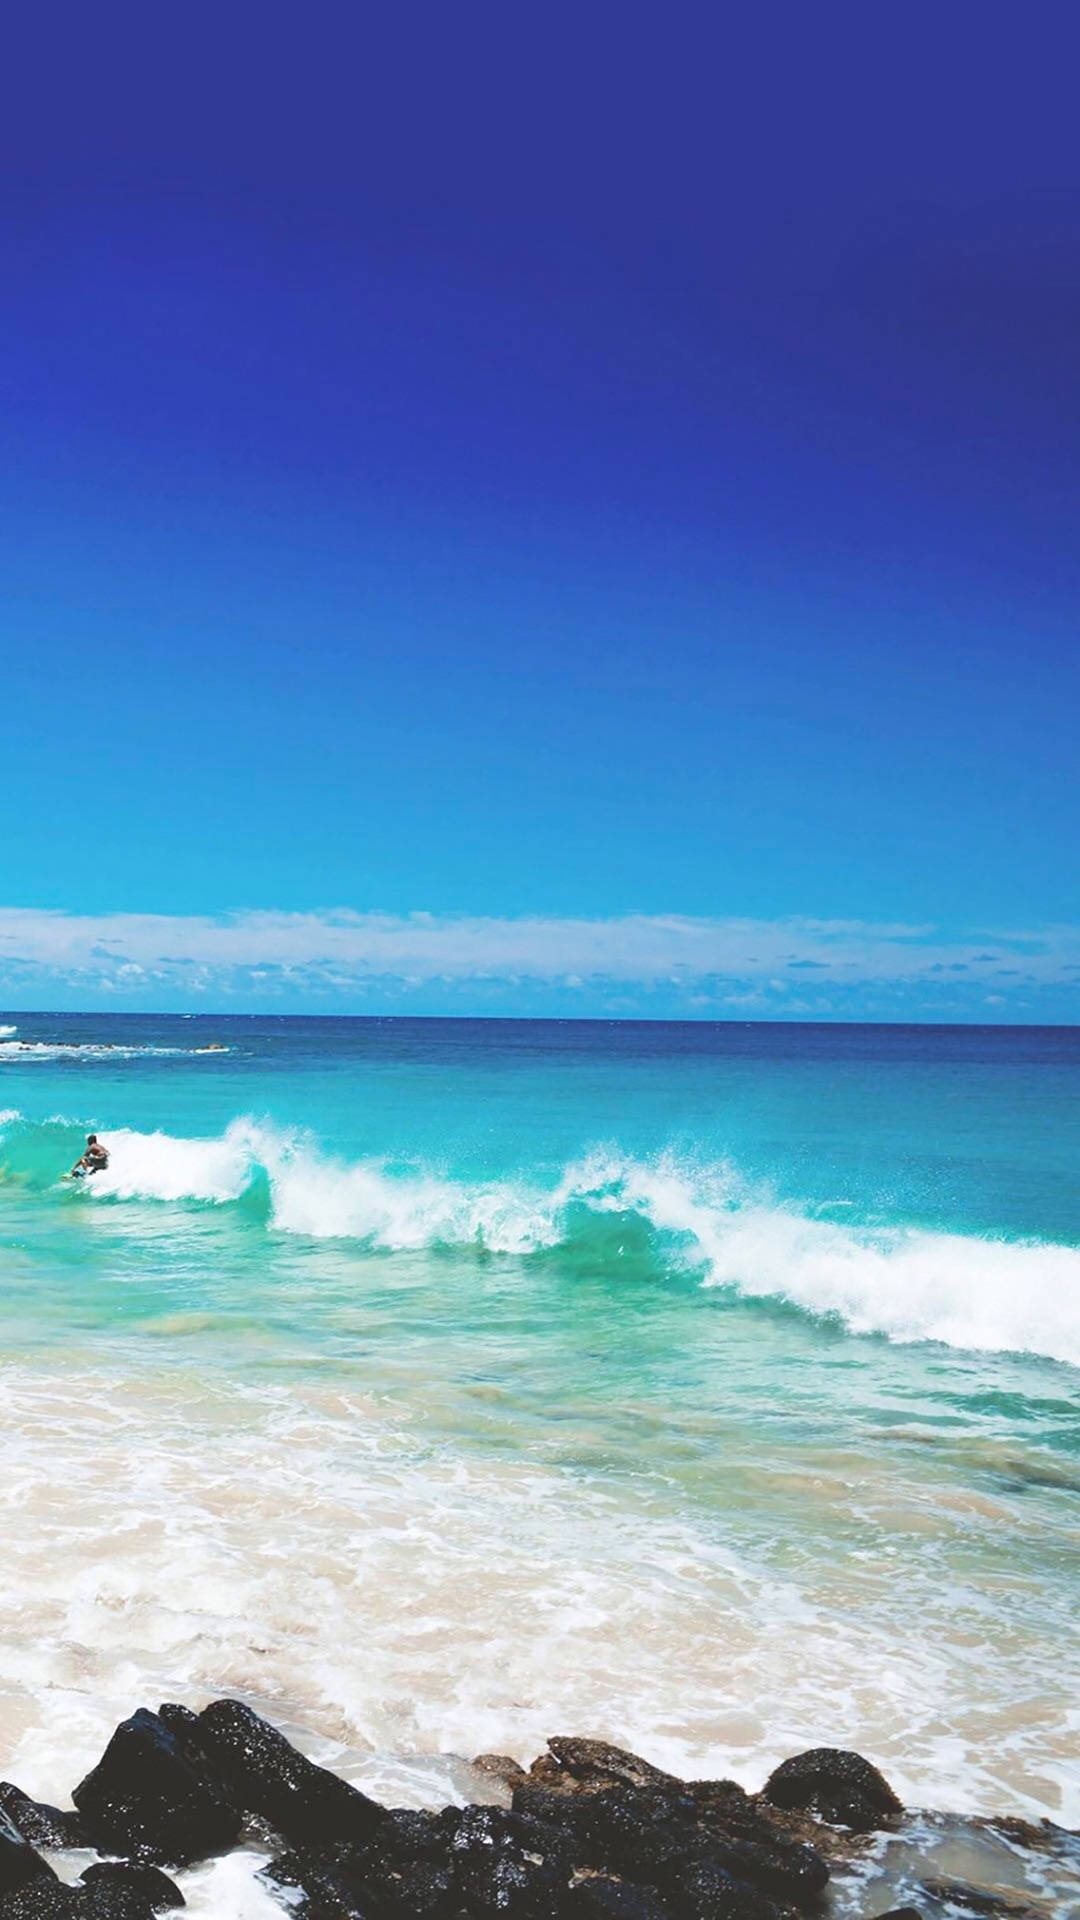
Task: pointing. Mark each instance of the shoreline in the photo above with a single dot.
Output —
(186, 1805)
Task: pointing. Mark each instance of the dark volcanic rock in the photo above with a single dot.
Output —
(42, 1825)
(179, 1720)
(509, 1862)
(901, 1913)
(51, 1900)
(111, 1901)
(306, 1804)
(155, 1887)
(40, 1900)
(323, 1894)
(595, 1763)
(19, 1864)
(415, 1866)
(839, 1786)
(654, 1836)
(601, 1898)
(709, 1893)
(404, 1865)
(980, 1900)
(145, 1797)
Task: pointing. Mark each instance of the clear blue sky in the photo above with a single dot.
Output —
(553, 462)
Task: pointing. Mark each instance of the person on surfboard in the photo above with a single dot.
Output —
(94, 1160)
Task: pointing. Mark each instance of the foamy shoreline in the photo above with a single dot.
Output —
(224, 1802)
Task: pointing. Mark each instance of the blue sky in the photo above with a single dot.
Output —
(542, 470)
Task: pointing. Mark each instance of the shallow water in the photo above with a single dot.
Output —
(443, 1385)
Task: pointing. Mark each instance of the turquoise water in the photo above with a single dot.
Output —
(443, 1384)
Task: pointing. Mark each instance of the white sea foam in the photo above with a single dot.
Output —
(907, 1283)
(26, 1052)
(161, 1166)
(402, 1601)
(6, 1032)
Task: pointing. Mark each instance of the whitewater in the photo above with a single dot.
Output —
(438, 1386)
(909, 1284)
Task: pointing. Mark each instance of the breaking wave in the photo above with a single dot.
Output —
(14, 1051)
(706, 1222)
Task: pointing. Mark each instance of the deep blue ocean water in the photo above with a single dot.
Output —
(442, 1384)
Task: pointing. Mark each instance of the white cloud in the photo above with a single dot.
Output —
(726, 964)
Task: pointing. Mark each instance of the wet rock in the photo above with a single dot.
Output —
(837, 1785)
(146, 1798)
(42, 1825)
(404, 1866)
(269, 1777)
(477, 1860)
(344, 1882)
(653, 1836)
(407, 1833)
(155, 1887)
(509, 1862)
(599, 1897)
(51, 1900)
(707, 1892)
(314, 1891)
(179, 1720)
(720, 1797)
(19, 1864)
(545, 1771)
(111, 1901)
(901, 1913)
(594, 1763)
(500, 1768)
(981, 1900)
(39, 1900)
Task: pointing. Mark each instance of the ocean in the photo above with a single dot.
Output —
(440, 1385)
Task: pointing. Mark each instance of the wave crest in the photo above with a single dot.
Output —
(706, 1222)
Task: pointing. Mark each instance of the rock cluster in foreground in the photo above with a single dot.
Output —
(591, 1833)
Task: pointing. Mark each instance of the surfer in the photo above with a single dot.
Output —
(94, 1160)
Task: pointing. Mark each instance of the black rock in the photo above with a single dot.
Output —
(51, 1900)
(419, 1888)
(707, 1892)
(19, 1864)
(407, 1834)
(111, 1901)
(980, 1900)
(792, 1872)
(155, 1887)
(720, 1797)
(901, 1913)
(306, 1804)
(179, 1720)
(324, 1895)
(495, 1828)
(509, 1863)
(652, 1836)
(40, 1900)
(839, 1786)
(601, 1898)
(42, 1825)
(145, 1797)
(570, 1812)
(401, 1869)
(595, 1761)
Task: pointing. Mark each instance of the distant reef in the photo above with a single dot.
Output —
(588, 1832)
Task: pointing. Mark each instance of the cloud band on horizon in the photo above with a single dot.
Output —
(659, 964)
